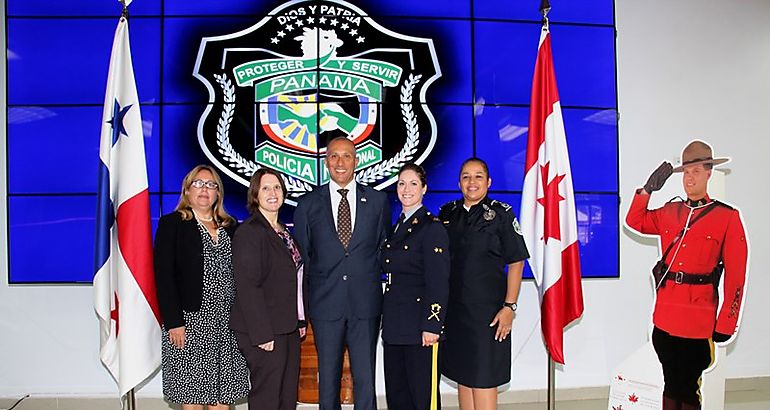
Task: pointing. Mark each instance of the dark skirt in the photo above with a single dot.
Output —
(470, 355)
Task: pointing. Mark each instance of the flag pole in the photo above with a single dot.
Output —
(130, 400)
(551, 383)
(545, 7)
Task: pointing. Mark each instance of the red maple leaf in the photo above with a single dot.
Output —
(550, 202)
(633, 398)
(114, 315)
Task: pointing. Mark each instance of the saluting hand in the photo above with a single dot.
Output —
(268, 347)
(658, 177)
(429, 339)
(177, 337)
(504, 321)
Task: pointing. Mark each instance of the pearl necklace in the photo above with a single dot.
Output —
(198, 217)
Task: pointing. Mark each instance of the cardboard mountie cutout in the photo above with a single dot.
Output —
(699, 282)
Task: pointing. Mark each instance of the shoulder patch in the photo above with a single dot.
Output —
(516, 226)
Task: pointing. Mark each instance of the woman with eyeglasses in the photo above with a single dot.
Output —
(194, 278)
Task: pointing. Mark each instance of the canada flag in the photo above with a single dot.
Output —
(548, 218)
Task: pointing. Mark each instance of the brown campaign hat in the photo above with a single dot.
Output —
(698, 152)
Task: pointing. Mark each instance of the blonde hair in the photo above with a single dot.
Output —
(221, 217)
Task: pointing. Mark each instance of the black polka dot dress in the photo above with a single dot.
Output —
(209, 369)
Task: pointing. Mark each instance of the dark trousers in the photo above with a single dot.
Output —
(683, 361)
(331, 337)
(409, 370)
(274, 375)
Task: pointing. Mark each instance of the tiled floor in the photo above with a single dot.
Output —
(735, 400)
(741, 400)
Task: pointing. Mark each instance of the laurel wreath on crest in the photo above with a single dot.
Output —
(391, 166)
(241, 164)
(382, 170)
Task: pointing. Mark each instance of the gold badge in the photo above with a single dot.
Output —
(434, 309)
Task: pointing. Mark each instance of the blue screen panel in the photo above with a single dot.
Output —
(454, 144)
(80, 8)
(50, 63)
(221, 8)
(51, 239)
(449, 8)
(501, 140)
(451, 40)
(181, 151)
(584, 60)
(42, 139)
(181, 42)
(572, 11)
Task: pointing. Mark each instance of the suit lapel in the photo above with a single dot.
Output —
(274, 238)
(326, 208)
(361, 208)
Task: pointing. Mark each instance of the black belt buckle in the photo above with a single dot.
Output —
(679, 278)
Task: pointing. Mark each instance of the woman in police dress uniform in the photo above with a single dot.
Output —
(484, 237)
(416, 261)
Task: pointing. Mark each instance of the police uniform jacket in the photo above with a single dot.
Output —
(690, 310)
(416, 262)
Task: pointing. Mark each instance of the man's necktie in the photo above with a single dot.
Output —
(344, 224)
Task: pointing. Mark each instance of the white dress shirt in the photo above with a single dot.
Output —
(336, 198)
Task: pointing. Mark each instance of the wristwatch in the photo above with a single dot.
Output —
(511, 305)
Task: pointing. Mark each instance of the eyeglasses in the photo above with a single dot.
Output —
(199, 183)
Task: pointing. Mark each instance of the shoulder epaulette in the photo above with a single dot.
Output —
(503, 205)
(449, 206)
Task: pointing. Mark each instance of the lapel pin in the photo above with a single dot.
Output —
(363, 199)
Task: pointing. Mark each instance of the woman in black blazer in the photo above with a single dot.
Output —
(195, 287)
(269, 313)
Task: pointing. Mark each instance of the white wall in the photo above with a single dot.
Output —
(694, 68)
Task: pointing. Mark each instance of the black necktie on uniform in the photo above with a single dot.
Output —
(400, 221)
(344, 223)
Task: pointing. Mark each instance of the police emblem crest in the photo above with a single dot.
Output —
(308, 72)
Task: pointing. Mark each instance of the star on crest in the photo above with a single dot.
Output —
(310, 20)
(281, 33)
(550, 202)
(322, 20)
(333, 22)
(274, 40)
(299, 23)
(360, 39)
(344, 26)
(289, 27)
(353, 32)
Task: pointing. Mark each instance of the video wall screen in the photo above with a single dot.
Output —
(243, 84)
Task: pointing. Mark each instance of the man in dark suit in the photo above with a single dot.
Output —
(340, 227)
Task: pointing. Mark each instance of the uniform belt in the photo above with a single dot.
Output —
(690, 278)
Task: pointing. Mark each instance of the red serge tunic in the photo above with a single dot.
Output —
(690, 310)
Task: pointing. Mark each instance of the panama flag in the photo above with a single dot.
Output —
(548, 217)
(124, 283)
